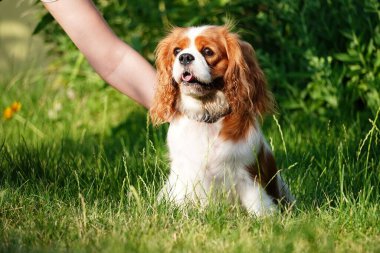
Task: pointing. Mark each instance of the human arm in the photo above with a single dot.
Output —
(115, 61)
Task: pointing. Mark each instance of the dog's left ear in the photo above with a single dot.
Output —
(262, 98)
(245, 82)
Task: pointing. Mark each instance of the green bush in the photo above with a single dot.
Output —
(321, 57)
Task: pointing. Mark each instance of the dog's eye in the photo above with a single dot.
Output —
(207, 52)
(176, 51)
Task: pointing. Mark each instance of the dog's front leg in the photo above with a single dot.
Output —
(184, 185)
(254, 198)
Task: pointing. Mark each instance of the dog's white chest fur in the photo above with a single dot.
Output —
(198, 145)
(201, 160)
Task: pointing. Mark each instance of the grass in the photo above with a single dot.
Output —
(80, 169)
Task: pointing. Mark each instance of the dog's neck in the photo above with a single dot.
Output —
(207, 109)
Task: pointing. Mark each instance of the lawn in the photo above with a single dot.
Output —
(80, 168)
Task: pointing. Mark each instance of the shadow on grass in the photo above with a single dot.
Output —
(130, 153)
(321, 163)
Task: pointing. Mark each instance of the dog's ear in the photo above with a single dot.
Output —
(262, 98)
(164, 102)
(245, 83)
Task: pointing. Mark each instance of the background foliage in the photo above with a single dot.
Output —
(321, 57)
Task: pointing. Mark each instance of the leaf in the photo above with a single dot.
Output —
(45, 20)
(355, 67)
(345, 57)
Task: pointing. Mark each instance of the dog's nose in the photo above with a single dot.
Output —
(186, 58)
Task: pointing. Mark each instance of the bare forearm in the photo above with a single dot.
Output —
(115, 61)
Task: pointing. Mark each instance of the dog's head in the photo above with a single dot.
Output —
(206, 73)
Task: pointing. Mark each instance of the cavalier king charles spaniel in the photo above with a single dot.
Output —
(212, 91)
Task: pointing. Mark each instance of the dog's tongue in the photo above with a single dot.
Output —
(187, 77)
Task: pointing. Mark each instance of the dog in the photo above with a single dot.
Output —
(213, 92)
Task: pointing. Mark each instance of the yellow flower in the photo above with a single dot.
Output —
(8, 113)
(16, 106)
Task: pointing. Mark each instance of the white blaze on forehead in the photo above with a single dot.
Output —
(194, 32)
(199, 67)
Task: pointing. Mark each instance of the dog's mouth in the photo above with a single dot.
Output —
(188, 77)
(191, 81)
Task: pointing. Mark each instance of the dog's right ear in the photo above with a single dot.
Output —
(167, 91)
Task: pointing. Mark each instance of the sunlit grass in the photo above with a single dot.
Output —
(88, 182)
